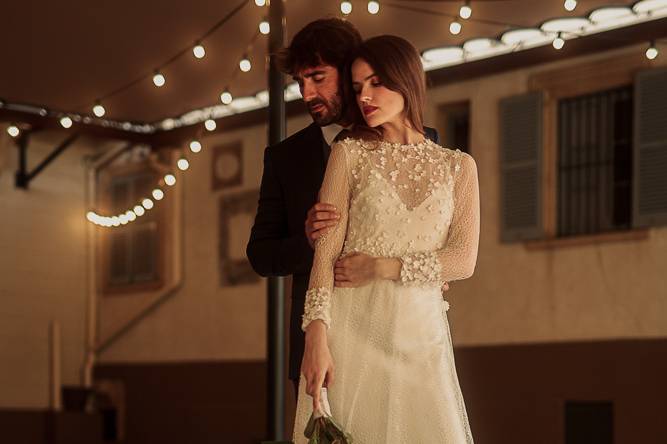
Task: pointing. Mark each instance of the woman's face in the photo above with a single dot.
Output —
(378, 104)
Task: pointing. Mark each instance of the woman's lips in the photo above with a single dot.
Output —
(369, 109)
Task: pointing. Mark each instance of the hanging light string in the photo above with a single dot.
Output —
(146, 203)
(173, 58)
(454, 17)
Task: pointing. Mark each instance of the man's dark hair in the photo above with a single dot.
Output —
(326, 41)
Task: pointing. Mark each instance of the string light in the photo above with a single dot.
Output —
(139, 210)
(199, 51)
(455, 27)
(244, 64)
(652, 51)
(346, 8)
(147, 203)
(13, 131)
(569, 5)
(158, 194)
(226, 97)
(373, 7)
(99, 110)
(210, 124)
(558, 42)
(158, 79)
(170, 179)
(466, 11)
(195, 146)
(264, 27)
(260, 3)
(66, 122)
(130, 215)
(183, 164)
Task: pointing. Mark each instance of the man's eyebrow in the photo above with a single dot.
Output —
(314, 73)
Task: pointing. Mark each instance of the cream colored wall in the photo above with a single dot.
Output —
(42, 267)
(598, 291)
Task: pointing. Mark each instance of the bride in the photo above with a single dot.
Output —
(383, 349)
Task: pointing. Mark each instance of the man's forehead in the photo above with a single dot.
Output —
(310, 70)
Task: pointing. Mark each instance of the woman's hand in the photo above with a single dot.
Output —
(317, 365)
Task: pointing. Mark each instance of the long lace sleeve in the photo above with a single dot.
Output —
(457, 259)
(335, 191)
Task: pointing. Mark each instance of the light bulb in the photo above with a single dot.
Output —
(210, 124)
(115, 221)
(99, 110)
(455, 27)
(123, 219)
(131, 216)
(346, 7)
(226, 97)
(264, 27)
(466, 11)
(195, 146)
(373, 7)
(66, 122)
(244, 64)
(199, 51)
(91, 216)
(139, 210)
(158, 194)
(13, 131)
(147, 203)
(170, 179)
(652, 52)
(570, 5)
(260, 2)
(158, 80)
(558, 42)
(183, 164)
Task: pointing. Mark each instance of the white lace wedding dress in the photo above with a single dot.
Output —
(395, 377)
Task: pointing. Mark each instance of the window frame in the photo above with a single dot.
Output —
(567, 82)
(160, 212)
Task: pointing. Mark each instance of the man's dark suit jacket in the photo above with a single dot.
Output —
(293, 174)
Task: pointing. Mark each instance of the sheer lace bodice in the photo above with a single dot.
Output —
(416, 202)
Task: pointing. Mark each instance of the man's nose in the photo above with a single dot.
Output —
(308, 92)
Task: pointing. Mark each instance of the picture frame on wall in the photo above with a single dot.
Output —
(237, 213)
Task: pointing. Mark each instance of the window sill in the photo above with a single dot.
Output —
(588, 239)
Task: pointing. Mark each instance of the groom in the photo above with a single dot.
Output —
(294, 169)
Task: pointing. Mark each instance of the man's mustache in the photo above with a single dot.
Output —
(313, 103)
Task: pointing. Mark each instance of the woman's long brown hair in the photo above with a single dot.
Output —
(398, 66)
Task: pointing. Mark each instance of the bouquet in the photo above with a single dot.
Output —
(321, 427)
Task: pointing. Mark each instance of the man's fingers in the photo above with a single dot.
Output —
(324, 224)
(326, 215)
(320, 206)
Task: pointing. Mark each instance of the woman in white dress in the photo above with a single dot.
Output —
(414, 207)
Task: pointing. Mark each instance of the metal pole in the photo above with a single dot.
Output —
(276, 295)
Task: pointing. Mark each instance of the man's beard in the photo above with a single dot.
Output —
(331, 113)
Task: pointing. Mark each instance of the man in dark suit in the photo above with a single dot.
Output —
(294, 168)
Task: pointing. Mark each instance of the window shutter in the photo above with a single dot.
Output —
(521, 167)
(649, 203)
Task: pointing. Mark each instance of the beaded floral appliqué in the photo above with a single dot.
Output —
(318, 303)
(421, 268)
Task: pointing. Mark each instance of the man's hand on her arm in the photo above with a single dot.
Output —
(321, 218)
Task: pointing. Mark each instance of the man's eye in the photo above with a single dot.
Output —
(318, 79)
(376, 83)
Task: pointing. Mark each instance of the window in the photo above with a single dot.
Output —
(455, 126)
(132, 249)
(594, 172)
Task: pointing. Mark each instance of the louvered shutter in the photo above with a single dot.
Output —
(521, 167)
(650, 149)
